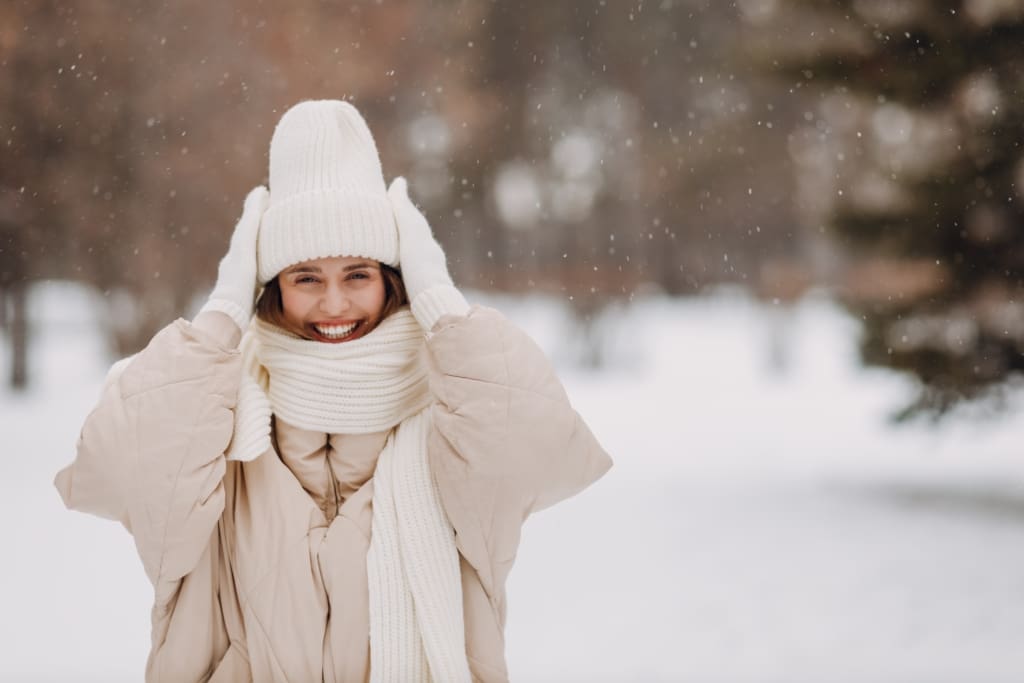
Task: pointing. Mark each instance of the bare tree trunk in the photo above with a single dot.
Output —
(13, 295)
(17, 328)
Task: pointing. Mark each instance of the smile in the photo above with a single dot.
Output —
(335, 332)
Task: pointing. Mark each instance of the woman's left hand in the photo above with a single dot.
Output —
(422, 262)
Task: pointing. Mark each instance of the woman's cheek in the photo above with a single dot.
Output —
(293, 301)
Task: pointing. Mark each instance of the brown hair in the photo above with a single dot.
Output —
(270, 307)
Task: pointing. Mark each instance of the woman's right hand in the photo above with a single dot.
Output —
(236, 288)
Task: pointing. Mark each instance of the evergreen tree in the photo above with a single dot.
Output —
(914, 161)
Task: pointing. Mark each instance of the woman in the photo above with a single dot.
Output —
(338, 495)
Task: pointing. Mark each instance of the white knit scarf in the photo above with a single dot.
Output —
(371, 384)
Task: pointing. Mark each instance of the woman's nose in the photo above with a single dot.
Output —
(334, 302)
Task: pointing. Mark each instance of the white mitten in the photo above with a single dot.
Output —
(424, 270)
(236, 288)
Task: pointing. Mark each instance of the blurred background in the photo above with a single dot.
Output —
(775, 248)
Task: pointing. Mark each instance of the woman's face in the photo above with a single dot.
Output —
(333, 300)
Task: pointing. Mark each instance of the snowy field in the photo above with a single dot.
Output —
(763, 523)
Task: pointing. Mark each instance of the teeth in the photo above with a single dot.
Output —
(335, 331)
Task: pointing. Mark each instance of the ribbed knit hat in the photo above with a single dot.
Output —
(327, 192)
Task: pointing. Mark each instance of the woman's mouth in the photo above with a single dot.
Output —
(334, 333)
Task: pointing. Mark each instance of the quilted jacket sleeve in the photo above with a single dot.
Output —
(151, 452)
(505, 442)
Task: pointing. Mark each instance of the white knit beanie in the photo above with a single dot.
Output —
(327, 192)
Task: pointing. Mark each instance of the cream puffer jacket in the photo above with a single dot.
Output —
(259, 568)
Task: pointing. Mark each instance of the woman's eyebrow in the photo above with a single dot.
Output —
(364, 264)
(302, 269)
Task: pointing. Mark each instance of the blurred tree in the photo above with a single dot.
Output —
(620, 147)
(585, 149)
(915, 163)
(13, 287)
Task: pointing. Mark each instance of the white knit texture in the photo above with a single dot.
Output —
(327, 192)
(366, 385)
(417, 631)
(235, 290)
(430, 305)
(237, 313)
(251, 436)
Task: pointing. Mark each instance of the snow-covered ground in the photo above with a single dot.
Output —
(762, 523)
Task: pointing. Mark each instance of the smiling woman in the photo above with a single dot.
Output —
(335, 299)
(333, 489)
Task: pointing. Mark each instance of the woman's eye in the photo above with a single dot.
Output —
(304, 279)
(358, 276)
